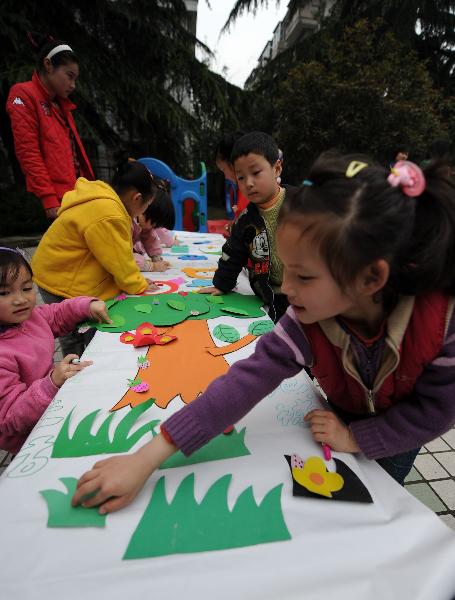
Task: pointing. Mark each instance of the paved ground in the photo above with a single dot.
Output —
(431, 480)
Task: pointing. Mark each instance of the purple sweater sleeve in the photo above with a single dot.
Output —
(426, 414)
(230, 397)
(64, 316)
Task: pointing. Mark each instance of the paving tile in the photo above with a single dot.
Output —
(449, 437)
(424, 493)
(423, 450)
(449, 520)
(437, 445)
(446, 491)
(429, 467)
(447, 459)
(413, 475)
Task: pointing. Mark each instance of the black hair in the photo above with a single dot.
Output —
(440, 150)
(226, 144)
(133, 175)
(365, 219)
(403, 148)
(161, 212)
(43, 44)
(10, 263)
(256, 142)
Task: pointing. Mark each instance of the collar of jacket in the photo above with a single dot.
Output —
(65, 103)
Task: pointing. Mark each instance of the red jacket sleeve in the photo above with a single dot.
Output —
(24, 122)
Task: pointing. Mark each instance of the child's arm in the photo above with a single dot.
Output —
(234, 256)
(64, 316)
(226, 400)
(167, 237)
(110, 243)
(151, 242)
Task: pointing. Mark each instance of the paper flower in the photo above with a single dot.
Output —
(314, 476)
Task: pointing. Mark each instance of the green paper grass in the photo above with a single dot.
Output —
(220, 448)
(185, 526)
(163, 315)
(62, 514)
(84, 443)
(226, 333)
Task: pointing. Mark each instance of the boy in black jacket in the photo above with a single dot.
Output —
(252, 243)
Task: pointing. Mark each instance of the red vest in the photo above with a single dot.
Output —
(420, 345)
(43, 143)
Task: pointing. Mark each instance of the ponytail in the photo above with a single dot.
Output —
(130, 174)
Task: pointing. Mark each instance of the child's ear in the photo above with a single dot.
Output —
(373, 277)
(278, 168)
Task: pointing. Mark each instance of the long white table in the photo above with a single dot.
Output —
(394, 548)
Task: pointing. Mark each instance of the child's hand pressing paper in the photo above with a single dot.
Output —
(66, 369)
(211, 290)
(99, 312)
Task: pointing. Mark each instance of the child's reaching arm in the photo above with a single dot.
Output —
(64, 316)
(281, 354)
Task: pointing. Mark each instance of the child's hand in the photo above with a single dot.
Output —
(151, 287)
(99, 312)
(176, 241)
(327, 428)
(64, 369)
(161, 265)
(118, 480)
(211, 290)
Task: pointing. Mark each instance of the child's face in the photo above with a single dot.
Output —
(17, 298)
(257, 177)
(307, 282)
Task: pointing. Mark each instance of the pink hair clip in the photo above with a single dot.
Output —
(408, 176)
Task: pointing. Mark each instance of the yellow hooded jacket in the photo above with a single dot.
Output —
(88, 249)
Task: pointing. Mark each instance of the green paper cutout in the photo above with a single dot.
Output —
(220, 448)
(176, 304)
(84, 443)
(215, 299)
(180, 249)
(143, 308)
(163, 315)
(110, 303)
(184, 526)
(62, 514)
(226, 333)
(117, 321)
(234, 310)
(260, 327)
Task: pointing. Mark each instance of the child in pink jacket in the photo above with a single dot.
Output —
(152, 231)
(28, 377)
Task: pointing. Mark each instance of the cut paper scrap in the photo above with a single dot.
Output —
(191, 257)
(220, 448)
(184, 525)
(311, 479)
(201, 272)
(143, 308)
(208, 251)
(138, 386)
(179, 249)
(62, 514)
(85, 443)
(200, 283)
(196, 307)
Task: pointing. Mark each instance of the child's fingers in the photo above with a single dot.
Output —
(316, 413)
(115, 504)
(87, 484)
(101, 496)
(68, 358)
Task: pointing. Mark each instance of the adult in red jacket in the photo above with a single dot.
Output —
(47, 144)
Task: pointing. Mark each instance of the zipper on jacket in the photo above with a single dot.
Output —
(370, 401)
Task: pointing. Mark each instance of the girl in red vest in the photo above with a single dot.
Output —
(369, 272)
(48, 147)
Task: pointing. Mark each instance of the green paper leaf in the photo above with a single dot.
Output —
(215, 299)
(184, 525)
(260, 327)
(180, 249)
(234, 310)
(117, 321)
(176, 304)
(62, 514)
(226, 333)
(143, 308)
(110, 303)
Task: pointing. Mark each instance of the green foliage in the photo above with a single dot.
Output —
(62, 514)
(186, 526)
(226, 333)
(365, 93)
(84, 443)
(21, 213)
(220, 448)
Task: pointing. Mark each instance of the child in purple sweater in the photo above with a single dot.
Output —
(369, 271)
(28, 377)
